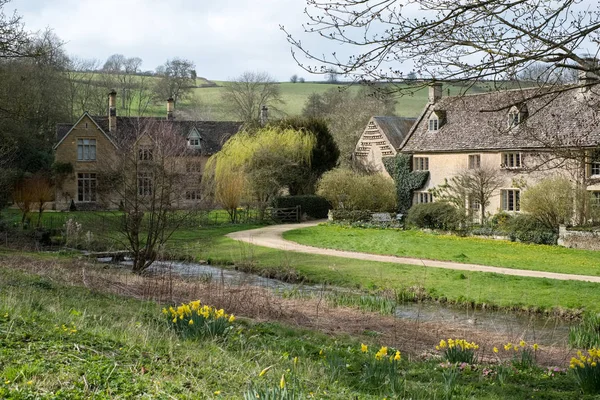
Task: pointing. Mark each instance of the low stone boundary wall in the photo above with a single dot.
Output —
(587, 240)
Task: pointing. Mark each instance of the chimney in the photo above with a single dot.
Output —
(170, 109)
(264, 115)
(588, 75)
(435, 92)
(112, 111)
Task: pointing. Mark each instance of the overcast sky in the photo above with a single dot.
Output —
(223, 37)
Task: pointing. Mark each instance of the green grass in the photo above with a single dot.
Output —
(70, 342)
(200, 242)
(414, 243)
(294, 96)
(454, 286)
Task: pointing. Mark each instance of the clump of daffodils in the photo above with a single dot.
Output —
(524, 355)
(382, 367)
(195, 319)
(458, 350)
(587, 370)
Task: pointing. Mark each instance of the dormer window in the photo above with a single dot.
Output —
(434, 124)
(436, 120)
(193, 139)
(516, 115)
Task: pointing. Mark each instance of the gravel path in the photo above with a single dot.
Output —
(271, 236)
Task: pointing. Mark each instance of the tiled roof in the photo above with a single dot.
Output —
(565, 118)
(213, 134)
(395, 128)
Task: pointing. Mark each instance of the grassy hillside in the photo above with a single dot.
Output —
(206, 101)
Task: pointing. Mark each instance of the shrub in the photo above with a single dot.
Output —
(500, 219)
(349, 190)
(438, 215)
(351, 215)
(311, 205)
(458, 350)
(587, 370)
(526, 228)
(195, 320)
(586, 334)
(550, 202)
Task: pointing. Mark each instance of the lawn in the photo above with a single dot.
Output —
(418, 244)
(455, 286)
(61, 341)
(208, 242)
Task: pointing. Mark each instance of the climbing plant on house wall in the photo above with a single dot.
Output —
(407, 180)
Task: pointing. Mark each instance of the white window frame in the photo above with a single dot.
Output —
(510, 200)
(512, 160)
(474, 161)
(86, 149)
(434, 124)
(595, 168)
(87, 187)
(423, 197)
(595, 198)
(420, 163)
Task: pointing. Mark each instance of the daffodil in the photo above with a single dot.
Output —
(282, 382)
(191, 322)
(535, 347)
(522, 343)
(495, 350)
(364, 348)
(264, 371)
(397, 357)
(231, 318)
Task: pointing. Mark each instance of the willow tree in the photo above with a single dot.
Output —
(260, 163)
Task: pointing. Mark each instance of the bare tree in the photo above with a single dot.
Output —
(247, 93)
(176, 80)
(449, 40)
(15, 42)
(147, 181)
(472, 188)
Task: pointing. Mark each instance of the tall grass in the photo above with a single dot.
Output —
(587, 333)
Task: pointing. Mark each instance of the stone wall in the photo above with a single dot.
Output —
(587, 240)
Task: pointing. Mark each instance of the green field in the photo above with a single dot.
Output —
(63, 342)
(417, 244)
(207, 101)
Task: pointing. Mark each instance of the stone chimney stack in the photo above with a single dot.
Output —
(435, 92)
(264, 115)
(590, 74)
(170, 109)
(112, 111)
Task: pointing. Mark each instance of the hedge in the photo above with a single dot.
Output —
(312, 205)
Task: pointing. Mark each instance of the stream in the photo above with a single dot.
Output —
(531, 328)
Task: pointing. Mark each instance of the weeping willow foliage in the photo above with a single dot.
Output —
(256, 166)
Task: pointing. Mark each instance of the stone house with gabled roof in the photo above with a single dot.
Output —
(526, 134)
(381, 138)
(94, 140)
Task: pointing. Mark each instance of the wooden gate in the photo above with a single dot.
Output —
(291, 214)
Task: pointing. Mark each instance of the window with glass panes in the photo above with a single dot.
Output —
(474, 161)
(511, 199)
(421, 163)
(86, 149)
(86, 187)
(512, 160)
(145, 183)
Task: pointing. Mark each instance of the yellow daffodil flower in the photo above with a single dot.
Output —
(364, 348)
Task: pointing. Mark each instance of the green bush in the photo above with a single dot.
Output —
(346, 189)
(550, 201)
(528, 229)
(351, 215)
(437, 215)
(312, 205)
